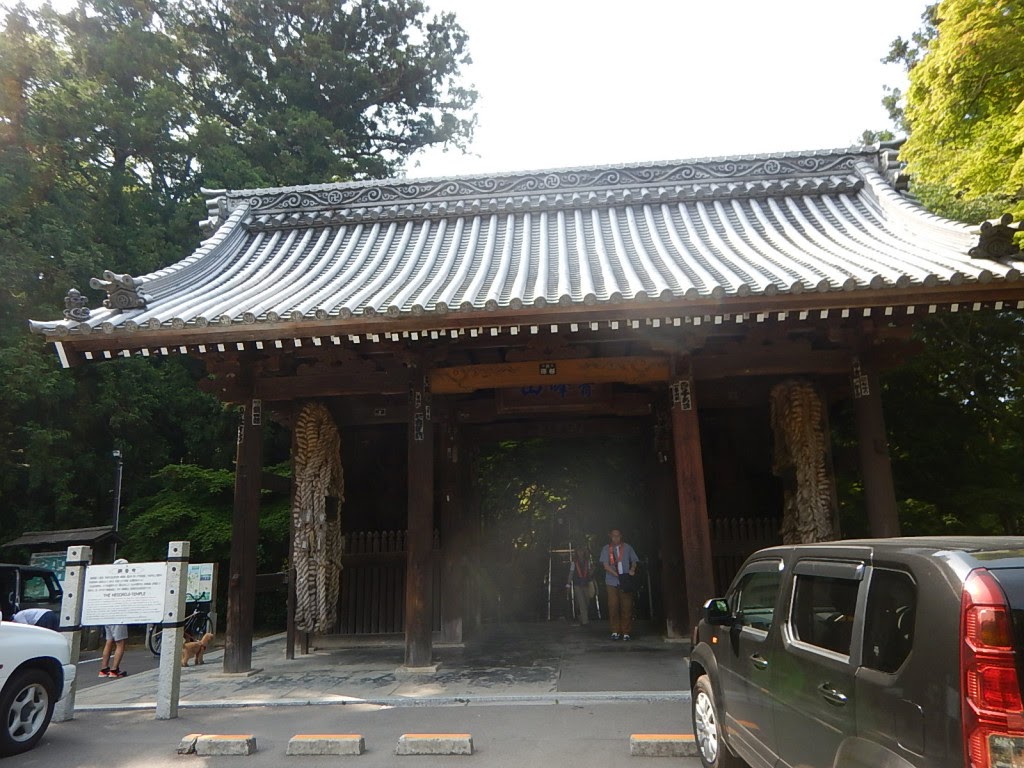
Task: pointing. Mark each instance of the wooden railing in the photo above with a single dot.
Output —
(734, 539)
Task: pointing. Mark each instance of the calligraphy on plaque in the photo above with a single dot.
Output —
(554, 397)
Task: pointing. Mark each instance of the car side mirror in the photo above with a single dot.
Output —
(716, 611)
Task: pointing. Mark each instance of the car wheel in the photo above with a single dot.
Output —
(26, 707)
(707, 728)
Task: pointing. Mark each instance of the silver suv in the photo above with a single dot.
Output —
(902, 653)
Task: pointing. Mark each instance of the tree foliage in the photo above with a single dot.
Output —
(198, 501)
(954, 412)
(113, 115)
(304, 91)
(956, 419)
(964, 110)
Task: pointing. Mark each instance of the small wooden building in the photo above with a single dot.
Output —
(697, 305)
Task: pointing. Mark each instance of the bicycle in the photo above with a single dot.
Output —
(197, 624)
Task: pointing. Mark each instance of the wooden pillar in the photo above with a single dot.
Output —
(244, 540)
(693, 507)
(420, 538)
(469, 492)
(292, 596)
(666, 502)
(454, 566)
(873, 445)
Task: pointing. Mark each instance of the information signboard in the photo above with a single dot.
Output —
(200, 582)
(132, 593)
(53, 560)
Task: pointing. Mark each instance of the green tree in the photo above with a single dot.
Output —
(907, 53)
(113, 114)
(954, 412)
(306, 91)
(963, 109)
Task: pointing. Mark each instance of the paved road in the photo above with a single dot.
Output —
(137, 658)
(504, 736)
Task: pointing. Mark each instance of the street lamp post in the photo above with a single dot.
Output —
(117, 497)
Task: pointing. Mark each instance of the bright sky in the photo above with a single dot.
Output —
(568, 83)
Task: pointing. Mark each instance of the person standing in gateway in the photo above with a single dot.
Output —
(619, 561)
(581, 582)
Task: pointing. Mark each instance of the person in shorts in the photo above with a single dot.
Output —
(116, 636)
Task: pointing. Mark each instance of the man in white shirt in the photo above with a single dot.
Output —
(40, 617)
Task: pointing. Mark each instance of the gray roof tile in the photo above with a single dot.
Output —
(715, 228)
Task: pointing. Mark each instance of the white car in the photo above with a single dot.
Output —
(35, 673)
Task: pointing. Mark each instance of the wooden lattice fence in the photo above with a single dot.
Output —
(734, 539)
(373, 583)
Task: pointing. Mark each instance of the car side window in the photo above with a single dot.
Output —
(889, 620)
(36, 589)
(824, 609)
(755, 597)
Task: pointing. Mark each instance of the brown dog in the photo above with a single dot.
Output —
(195, 648)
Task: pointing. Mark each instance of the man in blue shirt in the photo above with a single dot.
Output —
(619, 559)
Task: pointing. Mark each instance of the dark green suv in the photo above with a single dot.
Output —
(27, 586)
(898, 653)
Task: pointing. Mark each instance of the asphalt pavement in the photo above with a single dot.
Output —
(525, 692)
(137, 659)
(504, 736)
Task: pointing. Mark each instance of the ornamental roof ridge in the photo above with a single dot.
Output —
(403, 191)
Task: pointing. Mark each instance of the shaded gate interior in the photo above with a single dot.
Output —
(534, 489)
(540, 497)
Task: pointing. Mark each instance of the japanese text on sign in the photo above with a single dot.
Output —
(132, 593)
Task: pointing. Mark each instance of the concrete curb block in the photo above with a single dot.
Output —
(662, 745)
(188, 744)
(224, 744)
(326, 744)
(434, 744)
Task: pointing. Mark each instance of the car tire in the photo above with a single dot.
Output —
(26, 706)
(711, 747)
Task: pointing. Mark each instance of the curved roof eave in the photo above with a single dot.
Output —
(701, 238)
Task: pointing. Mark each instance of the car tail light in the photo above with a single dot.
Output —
(992, 710)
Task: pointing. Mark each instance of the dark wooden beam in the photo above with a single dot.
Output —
(328, 385)
(597, 370)
(698, 568)
(586, 427)
(771, 361)
(244, 542)
(873, 447)
(276, 483)
(420, 538)
(484, 409)
(454, 541)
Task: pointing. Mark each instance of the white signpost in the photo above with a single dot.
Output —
(131, 593)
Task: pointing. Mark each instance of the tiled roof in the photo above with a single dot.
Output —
(714, 229)
(65, 537)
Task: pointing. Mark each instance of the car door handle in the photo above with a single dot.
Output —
(759, 661)
(832, 696)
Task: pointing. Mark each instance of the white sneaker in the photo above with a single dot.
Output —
(615, 635)
(626, 637)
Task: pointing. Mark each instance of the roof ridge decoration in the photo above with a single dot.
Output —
(75, 307)
(996, 239)
(724, 170)
(123, 291)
